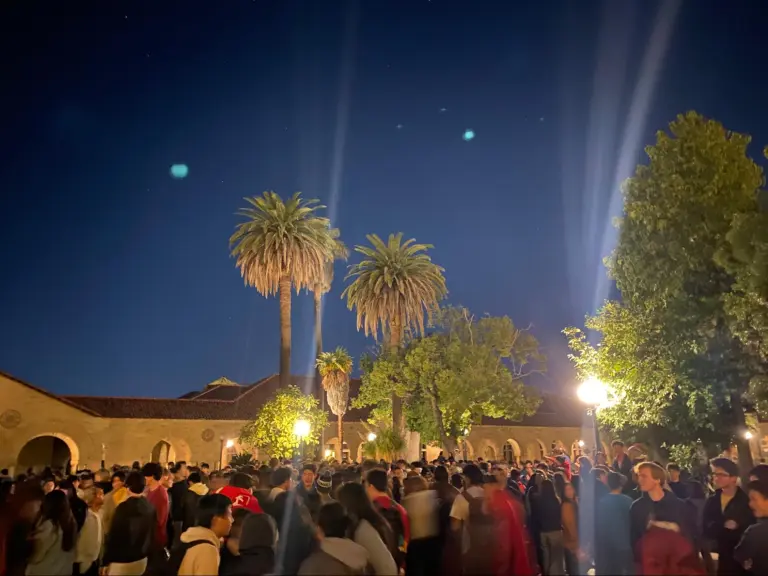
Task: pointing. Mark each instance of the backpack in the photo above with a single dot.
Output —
(391, 514)
(481, 530)
(177, 555)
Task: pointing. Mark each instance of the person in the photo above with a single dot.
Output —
(229, 561)
(422, 507)
(54, 538)
(130, 537)
(549, 516)
(281, 481)
(613, 553)
(76, 505)
(376, 484)
(726, 514)
(569, 512)
(337, 554)
(200, 544)
(369, 529)
(116, 496)
(655, 502)
(752, 550)
(662, 550)
(18, 520)
(307, 490)
(510, 556)
(324, 484)
(157, 496)
(240, 492)
(256, 550)
(196, 490)
(759, 473)
(176, 497)
(621, 462)
(91, 537)
(679, 488)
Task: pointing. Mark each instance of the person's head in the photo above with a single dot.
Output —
(414, 484)
(569, 492)
(195, 477)
(674, 472)
(49, 484)
(600, 474)
(528, 467)
(152, 472)
(86, 481)
(56, 509)
(473, 475)
(376, 483)
(241, 480)
(118, 480)
(205, 468)
(281, 478)
(308, 472)
(166, 479)
(325, 482)
(758, 497)
(214, 511)
(332, 520)
(618, 447)
(615, 482)
(136, 483)
(725, 473)
(650, 476)
(238, 519)
(179, 471)
(93, 497)
(441, 474)
(759, 473)
(457, 481)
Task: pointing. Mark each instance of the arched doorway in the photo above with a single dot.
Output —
(511, 451)
(162, 453)
(489, 452)
(54, 450)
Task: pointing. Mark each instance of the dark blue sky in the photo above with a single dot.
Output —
(116, 279)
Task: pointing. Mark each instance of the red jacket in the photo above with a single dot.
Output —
(665, 552)
(512, 554)
(241, 498)
(159, 499)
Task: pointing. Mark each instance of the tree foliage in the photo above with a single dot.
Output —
(335, 368)
(466, 368)
(272, 428)
(670, 349)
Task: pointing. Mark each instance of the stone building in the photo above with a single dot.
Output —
(38, 427)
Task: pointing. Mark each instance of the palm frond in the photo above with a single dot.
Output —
(335, 368)
(395, 283)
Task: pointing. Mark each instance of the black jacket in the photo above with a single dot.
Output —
(131, 533)
(670, 508)
(715, 519)
(752, 551)
(176, 494)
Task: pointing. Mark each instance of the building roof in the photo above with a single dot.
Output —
(225, 400)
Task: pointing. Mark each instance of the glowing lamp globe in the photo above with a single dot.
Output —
(230, 443)
(593, 392)
(301, 428)
(179, 171)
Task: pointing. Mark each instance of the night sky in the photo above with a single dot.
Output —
(116, 278)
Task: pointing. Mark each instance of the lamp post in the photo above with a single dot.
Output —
(301, 429)
(593, 393)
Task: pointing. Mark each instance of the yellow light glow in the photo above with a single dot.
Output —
(230, 443)
(301, 428)
(371, 436)
(593, 392)
(328, 453)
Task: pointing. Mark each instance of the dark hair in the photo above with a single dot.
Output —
(378, 479)
(56, 509)
(68, 487)
(673, 467)
(135, 482)
(241, 480)
(358, 507)
(760, 472)
(204, 465)
(615, 481)
(195, 478)
(514, 475)
(153, 470)
(176, 468)
(473, 474)
(759, 486)
(441, 474)
(332, 520)
(726, 464)
(280, 476)
(457, 481)
(120, 475)
(209, 507)
(309, 466)
(238, 515)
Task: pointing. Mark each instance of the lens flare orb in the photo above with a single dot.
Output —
(468, 135)
(179, 171)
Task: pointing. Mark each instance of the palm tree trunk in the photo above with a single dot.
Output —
(285, 330)
(341, 436)
(395, 339)
(318, 350)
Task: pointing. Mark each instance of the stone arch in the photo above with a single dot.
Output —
(470, 450)
(536, 450)
(71, 445)
(162, 453)
(511, 451)
(489, 452)
(182, 451)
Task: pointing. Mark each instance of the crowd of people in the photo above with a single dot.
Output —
(550, 517)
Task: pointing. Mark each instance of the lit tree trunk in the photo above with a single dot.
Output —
(395, 340)
(318, 296)
(448, 443)
(340, 425)
(742, 444)
(285, 330)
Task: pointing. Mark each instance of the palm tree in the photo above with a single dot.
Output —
(393, 287)
(335, 368)
(321, 286)
(282, 245)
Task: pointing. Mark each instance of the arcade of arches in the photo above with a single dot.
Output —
(38, 428)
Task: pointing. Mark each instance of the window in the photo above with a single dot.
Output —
(509, 453)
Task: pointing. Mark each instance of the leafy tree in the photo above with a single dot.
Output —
(393, 288)
(387, 444)
(335, 368)
(450, 378)
(669, 348)
(282, 245)
(242, 459)
(272, 428)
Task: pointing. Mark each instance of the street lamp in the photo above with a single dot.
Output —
(581, 443)
(593, 393)
(230, 443)
(301, 429)
(748, 435)
(371, 436)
